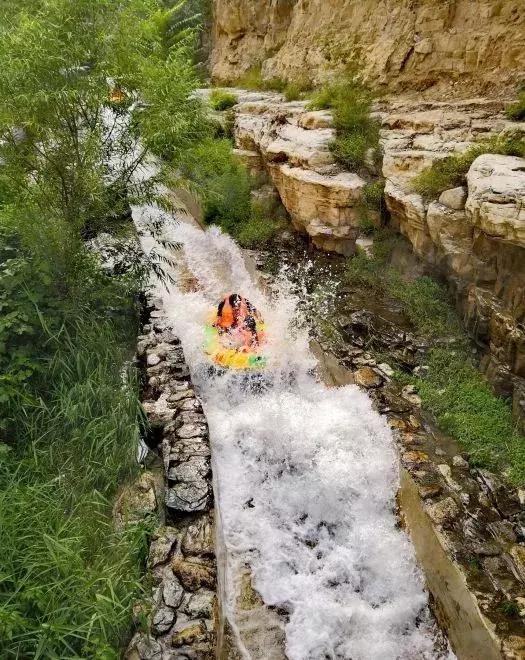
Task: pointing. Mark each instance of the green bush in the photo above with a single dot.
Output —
(220, 181)
(251, 79)
(451, 171)
(356, 131)
(516, 111)
(367, 226)
(263, 225)
(69, 580)
(222, 100)
(373, 194)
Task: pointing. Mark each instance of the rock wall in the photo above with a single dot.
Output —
(473, 235)
(287, 145)
(458, 47)
(181, 614)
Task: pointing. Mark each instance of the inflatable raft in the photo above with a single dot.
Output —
(235, 335)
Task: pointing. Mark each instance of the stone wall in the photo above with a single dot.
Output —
(182, 611)
(454, 47)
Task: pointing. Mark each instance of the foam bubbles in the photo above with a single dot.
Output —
(306, 479)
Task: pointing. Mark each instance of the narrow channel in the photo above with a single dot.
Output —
(305, 476)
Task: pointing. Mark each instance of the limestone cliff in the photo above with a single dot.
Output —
(456, 47)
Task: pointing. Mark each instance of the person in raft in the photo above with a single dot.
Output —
(238, 323)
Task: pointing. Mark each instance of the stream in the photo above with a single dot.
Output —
(305, 476)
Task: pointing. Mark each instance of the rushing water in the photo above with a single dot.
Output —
(305, 476)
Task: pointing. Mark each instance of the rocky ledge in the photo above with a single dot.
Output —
(474, 235)
(182, 611)
(288, 146)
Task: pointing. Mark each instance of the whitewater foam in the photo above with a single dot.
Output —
(306, 477)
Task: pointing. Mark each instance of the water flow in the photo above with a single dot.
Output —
(306, 477)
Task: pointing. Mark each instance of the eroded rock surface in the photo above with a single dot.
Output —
(452, 47)
(473, 235)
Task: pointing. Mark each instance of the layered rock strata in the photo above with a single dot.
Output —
(456, 48)
(473, 235)
(183, 605)
(289, 146)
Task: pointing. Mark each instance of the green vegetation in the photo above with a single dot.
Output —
(69, 412)
(221, 182)
(451, 171)
(220, 99)
(357, 133)
(454, 390)
(265, 222)
(510, 608)
(516, 111)
(224, 187)
(253, 79)
(69, 580)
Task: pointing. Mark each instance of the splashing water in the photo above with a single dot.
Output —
(305, 476)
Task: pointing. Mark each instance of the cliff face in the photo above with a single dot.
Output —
(456, 47)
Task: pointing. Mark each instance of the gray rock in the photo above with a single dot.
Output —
(201, 604)
(189, 497)
(191, 431)
(162, 620)
(443, 512)
(454, 198)
(199, 539)
(386, 369)
(172, 592)
(460, 462)
(196, 469)
(144, 647)
(152, 360)
(161, 546)
(180, 395)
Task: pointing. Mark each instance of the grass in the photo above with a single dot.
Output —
(453, 390)
(68, 580)
(450, 172)
(292, 90)
(260, 229)
(357, 133)
(220, 99)
(516, 111)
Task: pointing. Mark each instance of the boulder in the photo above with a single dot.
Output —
(454, 198)
(496, 197)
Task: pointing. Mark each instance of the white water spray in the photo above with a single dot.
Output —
(306, 478)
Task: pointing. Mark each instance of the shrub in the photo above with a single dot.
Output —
(366, 225)
(373, 194)
(222, 100)
(263, 225)
(451, 171)
(251, 79)
(220, 181)
(356, 131)
(516, 111)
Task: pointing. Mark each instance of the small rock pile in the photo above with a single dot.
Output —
(182, 622)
